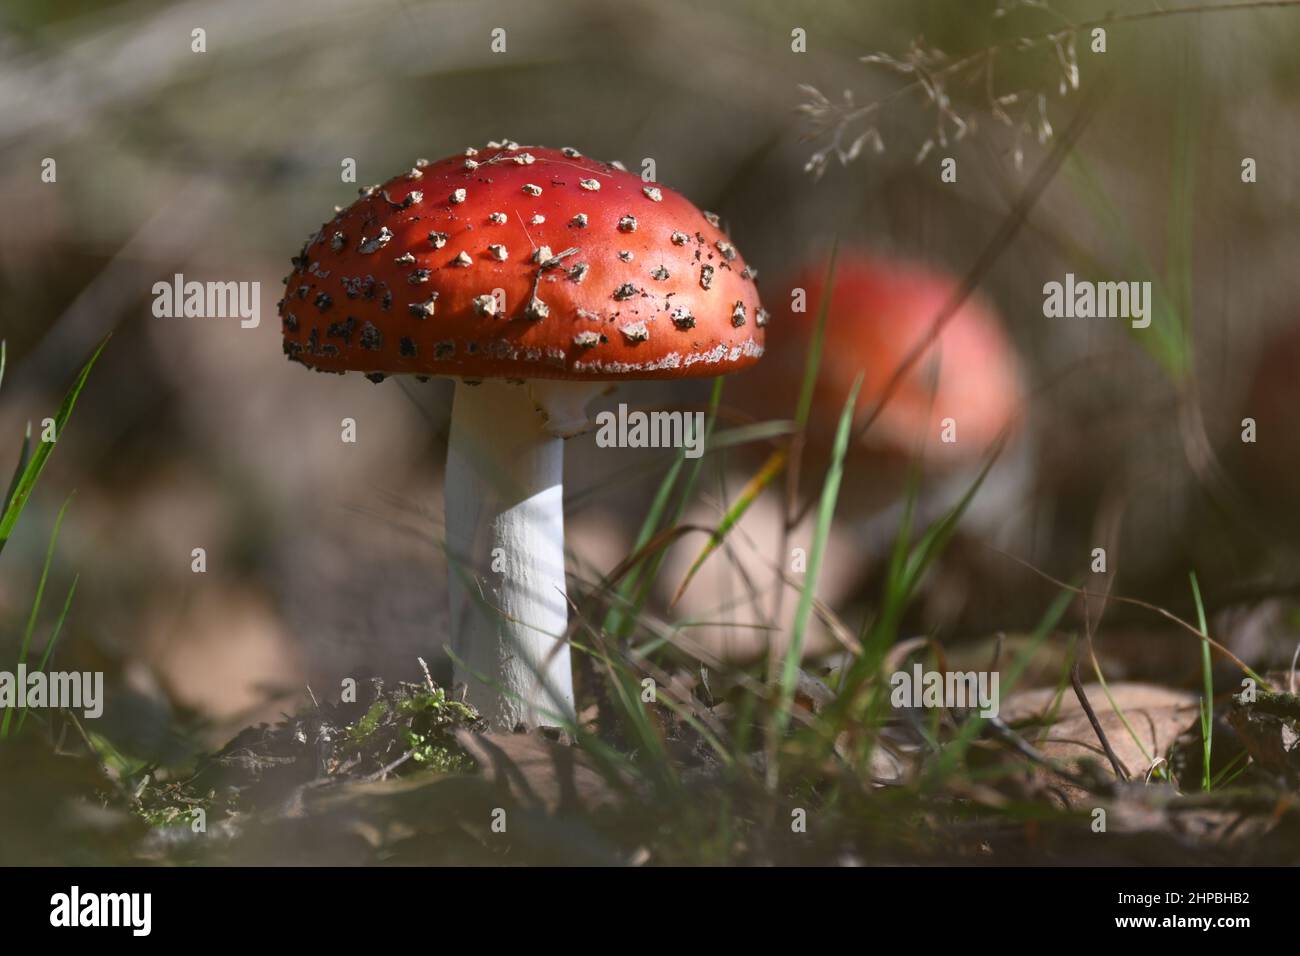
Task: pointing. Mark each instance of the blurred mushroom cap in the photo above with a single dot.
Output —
(880, 309)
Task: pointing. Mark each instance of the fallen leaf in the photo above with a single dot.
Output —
(1156, 716)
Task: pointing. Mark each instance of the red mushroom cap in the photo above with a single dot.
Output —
(879, 311)
(522, 262)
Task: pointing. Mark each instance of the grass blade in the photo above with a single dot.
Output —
(54, 639)
(32, 471)
(1207, 702)
(36, 605)
(753, 488)
(1119, 712)
(635, 587)
(821, 535)
(1164, 340)
(24, 454)
(812, 363)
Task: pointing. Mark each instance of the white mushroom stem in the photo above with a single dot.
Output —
(505, 548)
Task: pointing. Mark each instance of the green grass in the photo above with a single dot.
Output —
(25, 476)
(25, 646)
(635, 588)
(1207, 676)
(821, 537)
(812, 363)
(807, 764)
(1123, 719)
(30, 466)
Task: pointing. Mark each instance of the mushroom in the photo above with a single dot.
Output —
(507, 276)
(879, 310)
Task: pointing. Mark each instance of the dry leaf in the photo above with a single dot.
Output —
(1156, 716)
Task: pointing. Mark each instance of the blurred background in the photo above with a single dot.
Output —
(322, 557)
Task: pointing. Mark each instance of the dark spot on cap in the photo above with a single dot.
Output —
(342, 330)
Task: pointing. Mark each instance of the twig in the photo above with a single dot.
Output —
(1077, 684)
(383, 772)
(1018, 743)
